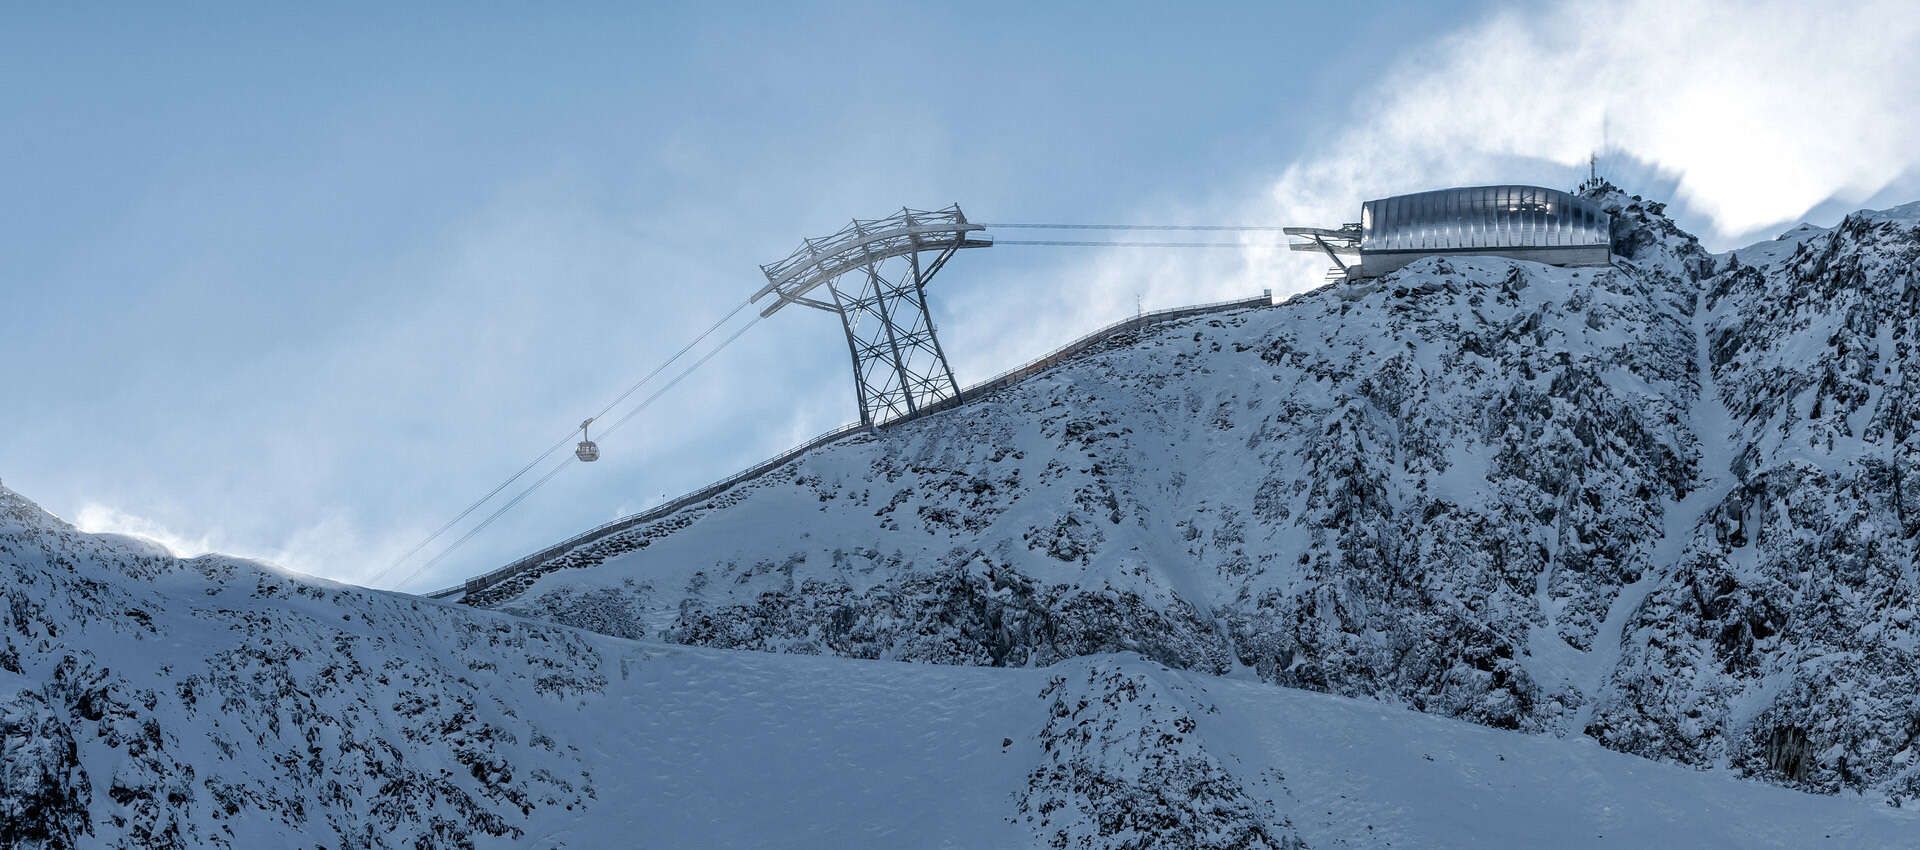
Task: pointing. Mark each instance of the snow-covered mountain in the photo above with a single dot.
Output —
(147, 701)
(1665, 505)
(1663, 509)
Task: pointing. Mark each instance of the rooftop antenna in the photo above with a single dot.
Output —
(1593, 160)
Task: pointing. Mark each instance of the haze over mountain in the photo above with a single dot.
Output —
(326, 277)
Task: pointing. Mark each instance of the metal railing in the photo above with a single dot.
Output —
(971, 393)
(1079, 346)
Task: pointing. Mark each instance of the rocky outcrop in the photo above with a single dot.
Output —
(1782, 643)
(1116, 742)
(157, 703)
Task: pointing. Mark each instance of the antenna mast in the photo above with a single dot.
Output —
(1593, 174)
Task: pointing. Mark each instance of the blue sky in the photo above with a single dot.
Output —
(300, 286)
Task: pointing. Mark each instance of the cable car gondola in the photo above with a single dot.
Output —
(587, 452)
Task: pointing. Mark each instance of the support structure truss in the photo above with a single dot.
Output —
(876, 273)
(1333, 243)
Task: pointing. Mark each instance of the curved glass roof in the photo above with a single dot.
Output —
(1482, 217)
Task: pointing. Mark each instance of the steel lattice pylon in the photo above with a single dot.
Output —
(898, 366)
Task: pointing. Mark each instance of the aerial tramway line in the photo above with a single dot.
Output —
(874, 274)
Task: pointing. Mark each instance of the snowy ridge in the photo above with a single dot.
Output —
(524, 567)
(147, 701)
(1586, 502)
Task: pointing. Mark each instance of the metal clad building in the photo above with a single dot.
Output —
(1521, 222)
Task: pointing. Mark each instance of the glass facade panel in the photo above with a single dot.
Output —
(1482, 217)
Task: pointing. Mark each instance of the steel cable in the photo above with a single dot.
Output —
(1122, 244)
(554, 448)
(604, 433)
(1229, 227)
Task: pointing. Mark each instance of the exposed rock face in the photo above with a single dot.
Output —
(1115, 742)
(43, 789)
(1782, 642)
(1668, 504)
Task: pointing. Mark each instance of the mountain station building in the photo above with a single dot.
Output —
(1520, 222)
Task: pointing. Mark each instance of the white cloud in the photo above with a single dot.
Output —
(1759, 110)
(96, 518)
(330, 547)
(1749, 113)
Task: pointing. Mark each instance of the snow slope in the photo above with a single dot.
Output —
(147, 701)
(865, 753)
(1665, 505)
